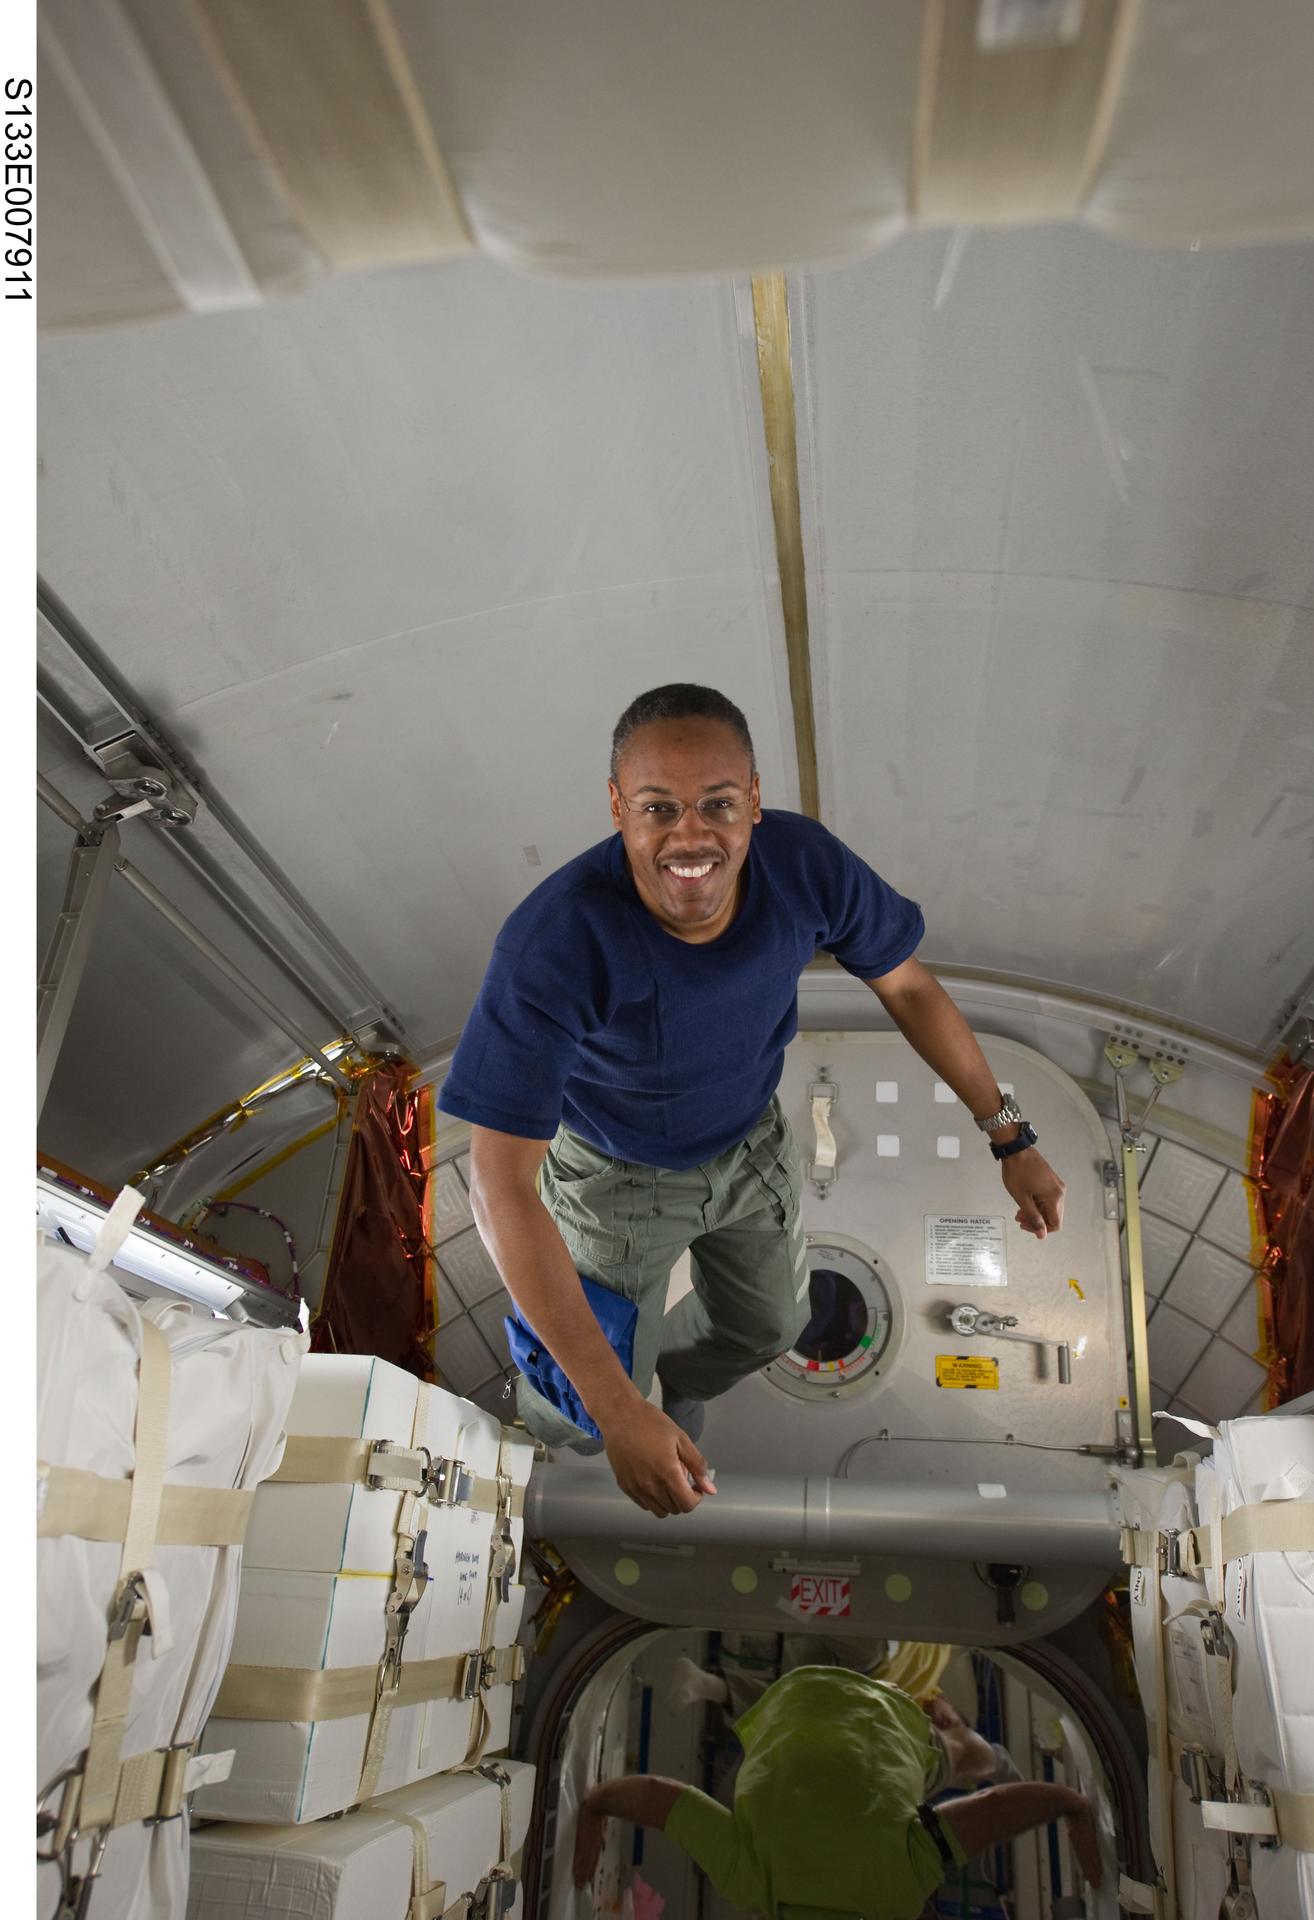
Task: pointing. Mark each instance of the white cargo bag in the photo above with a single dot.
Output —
(445, 1846)
(154, 1424)
(376, 1634)
(1228, 1688)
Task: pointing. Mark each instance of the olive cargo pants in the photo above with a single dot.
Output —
(626, 1225)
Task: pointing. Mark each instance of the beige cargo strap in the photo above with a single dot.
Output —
(338, 1693)
(1286, 1817)
(429, 1897)
(332, 1461)
(1265, 1526)
(1012, 119)
(495, 1895)
(410, 1577)
(93, 1507)
(501, 1567)
(102, 1772)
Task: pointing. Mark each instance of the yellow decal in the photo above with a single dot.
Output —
(965, 1370)
(1076, 1288)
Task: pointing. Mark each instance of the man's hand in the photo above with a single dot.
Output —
(1085, 1842)
(653, 1460)
(588, 1841)
(1033, 1183)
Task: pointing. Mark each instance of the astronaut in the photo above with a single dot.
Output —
(619, 1075)
(831, 1812)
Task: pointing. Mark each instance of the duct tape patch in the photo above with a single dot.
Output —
(820, 1595)
(966, 1370)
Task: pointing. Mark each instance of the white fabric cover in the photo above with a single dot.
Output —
(359, 1867)
(590, 139)
(1269, 1612)
(1268, 1603)
(230, 1389)
(315, 1580)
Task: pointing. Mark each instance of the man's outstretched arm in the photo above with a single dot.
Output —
(996, 1814)
(644, 1799)
(933, 1026)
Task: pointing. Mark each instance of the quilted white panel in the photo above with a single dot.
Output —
(1176, 1343)
(1208, 1283)
(452, 1213)
(1229, 1222)
(469, 1266)
(1180, 1184)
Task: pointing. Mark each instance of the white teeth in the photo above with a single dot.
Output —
(693, 873)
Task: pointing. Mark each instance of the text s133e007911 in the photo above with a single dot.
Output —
(19, 188)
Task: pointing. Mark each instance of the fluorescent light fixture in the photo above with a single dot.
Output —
(148, 1257)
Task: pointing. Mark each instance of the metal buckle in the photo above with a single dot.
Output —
(451, 1483)
(162, 1819)
(1201, 1774)
(1170, 1551)
(472, 1677)
(132, 1597)
(410, 1583)
(495, 1897)
(378, 1469)
(74, 1888)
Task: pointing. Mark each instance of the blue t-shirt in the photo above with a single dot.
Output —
(650, 1048)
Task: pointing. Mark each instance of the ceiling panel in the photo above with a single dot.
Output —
(1057, 518)
(389, 558)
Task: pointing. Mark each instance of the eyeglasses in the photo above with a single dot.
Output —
(714, 810)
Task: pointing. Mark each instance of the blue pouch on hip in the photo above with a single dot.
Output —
(618, 1319)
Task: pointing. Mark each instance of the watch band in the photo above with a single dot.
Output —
(1026, 1137)
(1009, 1115)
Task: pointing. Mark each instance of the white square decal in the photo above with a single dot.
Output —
(887, 1146)
(947, 1146)
(887, 1092)
(944, 1095)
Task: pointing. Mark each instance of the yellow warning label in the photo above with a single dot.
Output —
(965, 1370)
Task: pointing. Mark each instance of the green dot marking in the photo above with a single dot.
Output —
(898, 1586)
(1034, 1596)
(744, 1580)
(865, 1342)
(627, 1572)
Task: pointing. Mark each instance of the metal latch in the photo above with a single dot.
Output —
(1201, 1774)
(451, 1483)
(495, 1897)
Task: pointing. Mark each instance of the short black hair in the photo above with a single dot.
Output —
(679, 701)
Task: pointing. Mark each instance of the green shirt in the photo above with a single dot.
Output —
(825, 1815)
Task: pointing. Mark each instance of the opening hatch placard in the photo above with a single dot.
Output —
(965, 1250)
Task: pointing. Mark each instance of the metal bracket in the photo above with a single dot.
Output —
(141, 782)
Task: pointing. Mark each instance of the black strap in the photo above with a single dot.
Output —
(930, 1819)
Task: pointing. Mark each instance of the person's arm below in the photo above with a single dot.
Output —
(644, 1799)
(996, 1814)
(650, 1456)
(933, 1026)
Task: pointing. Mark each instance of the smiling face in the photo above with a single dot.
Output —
(687, 870)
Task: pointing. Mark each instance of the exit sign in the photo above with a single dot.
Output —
(820, 1595)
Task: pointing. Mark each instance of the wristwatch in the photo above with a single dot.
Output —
(1009, 1115)
(1026, 1137)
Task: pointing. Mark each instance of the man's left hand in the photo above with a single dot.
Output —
(1033, 1183)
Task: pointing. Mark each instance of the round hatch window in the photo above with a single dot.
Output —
(851, 1332)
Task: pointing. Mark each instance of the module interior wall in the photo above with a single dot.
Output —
(471, 1349)
(1201, 1285)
